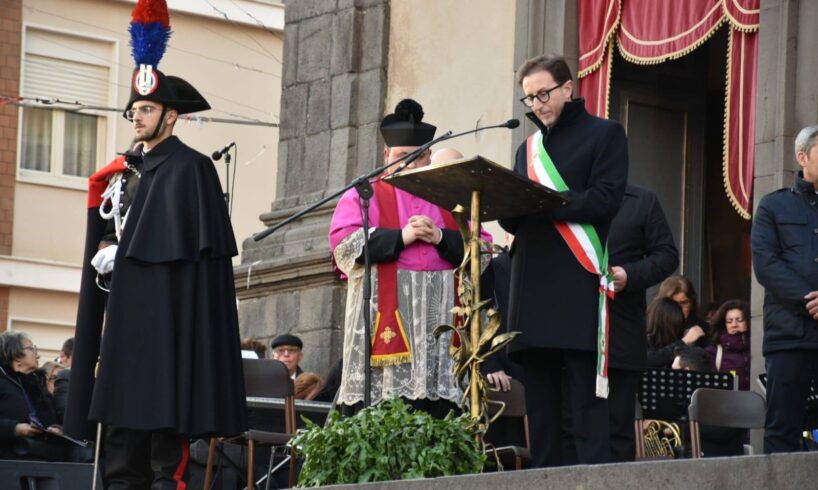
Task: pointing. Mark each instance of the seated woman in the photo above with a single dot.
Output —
(681, 290)
(729, 347)
(50, 369)
(25, 404)
(665, 322)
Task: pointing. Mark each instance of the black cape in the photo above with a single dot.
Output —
(170, 355)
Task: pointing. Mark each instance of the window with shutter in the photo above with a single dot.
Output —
(62, 143)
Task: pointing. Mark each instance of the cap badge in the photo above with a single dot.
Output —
(145, 81)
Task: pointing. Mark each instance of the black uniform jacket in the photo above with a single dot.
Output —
(640, 242)
(553, 299)
(170, 355)
(784, 241)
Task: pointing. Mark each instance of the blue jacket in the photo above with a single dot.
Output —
(784, 241)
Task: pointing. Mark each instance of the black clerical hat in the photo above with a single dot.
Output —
(405, 127)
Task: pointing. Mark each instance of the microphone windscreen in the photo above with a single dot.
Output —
(512, 123)
(216, 155)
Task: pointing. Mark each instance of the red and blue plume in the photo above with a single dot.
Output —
(150, 31)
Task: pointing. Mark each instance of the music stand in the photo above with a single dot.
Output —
(490, 192)
(665, 393)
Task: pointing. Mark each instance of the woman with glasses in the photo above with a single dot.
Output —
(26, 407)
(681, 290)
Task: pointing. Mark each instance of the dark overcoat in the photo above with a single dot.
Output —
(640, 242)
(170, 355)
(553, 299)
(784, 240)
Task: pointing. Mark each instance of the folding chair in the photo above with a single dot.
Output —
(515, 408)
(264, 378)
(723, 408)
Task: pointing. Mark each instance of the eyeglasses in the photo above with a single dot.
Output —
(145, 110)
(286, 350)
(543, 96)
(32, 348)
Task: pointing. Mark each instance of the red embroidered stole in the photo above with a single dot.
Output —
(390, 345)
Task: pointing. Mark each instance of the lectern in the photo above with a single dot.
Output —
(488, 192)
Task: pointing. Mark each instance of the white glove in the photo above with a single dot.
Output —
(103, 261)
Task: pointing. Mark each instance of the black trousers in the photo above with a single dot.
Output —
(142, 460)
(788, 379)
(622, 412)
(545, 372)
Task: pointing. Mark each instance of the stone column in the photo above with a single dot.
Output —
(787, 100)
(334, 87)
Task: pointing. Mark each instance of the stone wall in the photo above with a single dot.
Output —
(334, 85)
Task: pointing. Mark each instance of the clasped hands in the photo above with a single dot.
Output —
(421, 228)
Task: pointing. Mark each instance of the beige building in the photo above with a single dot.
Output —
(78, 50)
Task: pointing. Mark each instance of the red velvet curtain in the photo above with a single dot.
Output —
(598, 22)
(649, 32)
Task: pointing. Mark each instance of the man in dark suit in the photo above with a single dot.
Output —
(642, 254)
(555, 286)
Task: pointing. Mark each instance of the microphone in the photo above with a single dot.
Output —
(511, 123)
(218, 154)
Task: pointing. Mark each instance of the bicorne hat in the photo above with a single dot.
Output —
(150, 31)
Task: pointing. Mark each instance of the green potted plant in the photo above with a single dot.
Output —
(388, 441)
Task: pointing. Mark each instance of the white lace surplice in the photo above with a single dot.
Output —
(425, 300)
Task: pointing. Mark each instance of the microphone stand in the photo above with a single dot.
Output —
(227, 179)
(364, 187)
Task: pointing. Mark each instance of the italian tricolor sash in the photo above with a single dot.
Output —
(584, 242)
(390, 345)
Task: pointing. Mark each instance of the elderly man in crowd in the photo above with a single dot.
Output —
(785, 263)
(287, 349)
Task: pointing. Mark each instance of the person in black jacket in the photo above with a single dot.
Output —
(554, 299)
(665, 322)
(681, 290)
(785, 260)
(642, 254)
(25, 405)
